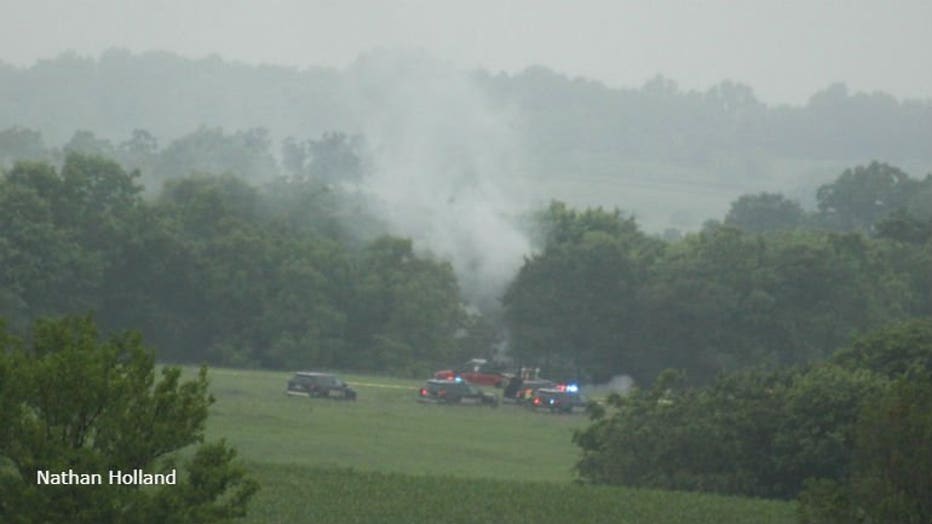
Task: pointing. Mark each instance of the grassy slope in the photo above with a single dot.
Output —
(386, 430)
(428, 463)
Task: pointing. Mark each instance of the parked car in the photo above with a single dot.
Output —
(454, 391)
(477, 371)
(320, 385)
(561, 399)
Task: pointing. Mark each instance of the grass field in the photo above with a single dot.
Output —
(388, 458)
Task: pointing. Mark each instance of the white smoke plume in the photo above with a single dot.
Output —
(446, 166)
(620, 384)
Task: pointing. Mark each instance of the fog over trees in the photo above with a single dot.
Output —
(674, 157)
(267, 214)
(300, 270)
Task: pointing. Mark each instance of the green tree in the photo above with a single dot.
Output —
(45, 267)
(304, 317)
(140, 153)
(817, 424)
(893, 350)
(573, 307)
(755, 433)
(205, 205)
(892, 480)
(405, 309)
(919, 203)
(332, 159)
(904, 227)
(86, 143)
(861, 197)
(647, 438)
(891, 470)
(18, 144)
(210, 150)
(706, 307)
(81, 238)
(75, 402)
(764, 212)
(307, 204)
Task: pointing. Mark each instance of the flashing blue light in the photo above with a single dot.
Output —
(572, 388)
(457, 379)
(552, 401)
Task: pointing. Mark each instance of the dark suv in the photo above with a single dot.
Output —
(322, 385)
(454, 392)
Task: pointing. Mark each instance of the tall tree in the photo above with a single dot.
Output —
(73, 402)
(765, 212)
(573, 307)
(860, 197)
(19, 143)
(406, 308)
(210, 150)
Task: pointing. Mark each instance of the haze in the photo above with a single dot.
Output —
(784, 50)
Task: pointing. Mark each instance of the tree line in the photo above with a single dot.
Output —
(658, 120)
(217, 270)
(295, 273)
(850, 437)
(333, 158)
(772, 285)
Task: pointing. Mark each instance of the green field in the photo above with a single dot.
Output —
(388, 458)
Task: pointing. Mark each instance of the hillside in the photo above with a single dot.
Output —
(672, 157)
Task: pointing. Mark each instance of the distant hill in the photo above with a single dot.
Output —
(673, 157)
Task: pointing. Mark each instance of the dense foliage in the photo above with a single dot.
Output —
(876, 198)
(674, 155)
(890, 478)
(659, 120)
(218, 270)
(603, 299)
(851, 434)
(73, 402)
(295, 272)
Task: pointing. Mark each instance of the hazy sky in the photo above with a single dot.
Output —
(785, 50)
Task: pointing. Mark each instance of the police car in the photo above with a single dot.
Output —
(563, 398)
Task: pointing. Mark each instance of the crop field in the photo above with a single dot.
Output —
(388, 458)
